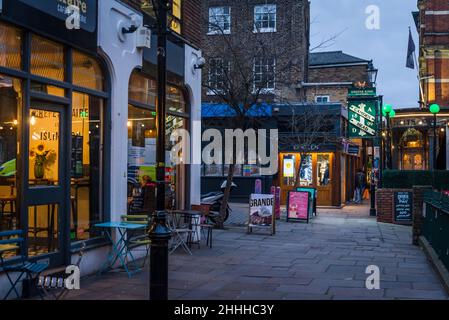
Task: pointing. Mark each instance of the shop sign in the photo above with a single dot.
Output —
(298, 205)
(362, 92)
(289, 168)
(57, 9)
(353, 150)
(261, 212)
(362, 119)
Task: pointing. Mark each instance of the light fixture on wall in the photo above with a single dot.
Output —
(33, 119)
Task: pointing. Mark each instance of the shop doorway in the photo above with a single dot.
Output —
(46, 190)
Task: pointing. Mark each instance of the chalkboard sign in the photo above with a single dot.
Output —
(298, 205)
(403, 206)
(76, 170)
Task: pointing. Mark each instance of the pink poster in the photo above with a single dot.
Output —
(298, 205)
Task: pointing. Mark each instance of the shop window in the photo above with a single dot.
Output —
(43, 229)
(237, 170)
(213, 170)
(175, 100)
(10, 106)
(289, 170)
(86, 165)
(142, 89)
(44, 147)
(47, 58)
(305, 173)
(10, 47)
(323, 169)
(47, 89)
(87, 72)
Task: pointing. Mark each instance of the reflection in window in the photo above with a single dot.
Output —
(142, 89)
(10, 103)
(323, 163)
(213, 170)
(87, 72)
(44, 147)
(47, 89)
(86, 160)
(47, 58)
(10, 47)
(306, 171)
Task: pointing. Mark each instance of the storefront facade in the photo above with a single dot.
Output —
(69, 132)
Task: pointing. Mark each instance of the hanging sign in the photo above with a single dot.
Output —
(261, 212)
(362, 119)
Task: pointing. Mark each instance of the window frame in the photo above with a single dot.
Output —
(317, 97)
(222, 68)
(266, 89)
(210, 29)
(265, 9)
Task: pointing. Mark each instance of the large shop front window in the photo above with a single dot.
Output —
(142, 136)
(10, 106)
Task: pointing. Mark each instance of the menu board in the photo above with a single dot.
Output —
(313, 195)
(76, 170)
(298, 205)
(403, 206)
(261, 212)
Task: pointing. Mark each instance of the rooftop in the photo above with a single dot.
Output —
(332, 58)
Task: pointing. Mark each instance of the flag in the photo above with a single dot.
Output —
(410, 51)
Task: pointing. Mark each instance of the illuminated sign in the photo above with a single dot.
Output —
(289, 167)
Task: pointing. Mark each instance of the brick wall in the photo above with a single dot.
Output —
(289, 44)
(418, 199)
(385, 203)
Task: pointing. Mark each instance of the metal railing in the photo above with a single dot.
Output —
(435, 226)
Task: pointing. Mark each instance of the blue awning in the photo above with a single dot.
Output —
(221, 110)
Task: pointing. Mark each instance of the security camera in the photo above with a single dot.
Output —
(200, 63)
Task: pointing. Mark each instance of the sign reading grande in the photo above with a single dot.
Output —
(57, 9)
(362, 118)
(261, 212)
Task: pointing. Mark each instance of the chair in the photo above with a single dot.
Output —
(205, 225)
(138, 240)
(32, 270)
(178, 231)
(52, 282)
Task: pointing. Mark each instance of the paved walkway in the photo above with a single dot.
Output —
(325, 259)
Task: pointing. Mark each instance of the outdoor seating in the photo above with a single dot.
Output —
(138, 238)
(206, 225)
(13, 242)
(181, 231)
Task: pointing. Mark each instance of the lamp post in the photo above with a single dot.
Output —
(434, 109)
(159, 233)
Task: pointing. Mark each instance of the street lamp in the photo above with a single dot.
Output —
(159, 232)
(388, 111)
(434, 109)
(372, 74)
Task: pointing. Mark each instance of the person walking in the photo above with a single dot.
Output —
(360, 184)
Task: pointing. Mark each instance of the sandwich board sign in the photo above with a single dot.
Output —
(261, 212)
(298, 206)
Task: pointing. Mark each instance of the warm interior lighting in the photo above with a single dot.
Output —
(129, 124)
(15, 122)
(33, 120)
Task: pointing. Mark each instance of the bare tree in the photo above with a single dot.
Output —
(312, 127)
(252, 66)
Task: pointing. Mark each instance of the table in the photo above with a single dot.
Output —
(119, 248)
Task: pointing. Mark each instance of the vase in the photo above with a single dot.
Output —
(38, 170)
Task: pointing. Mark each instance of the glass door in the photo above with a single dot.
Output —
(46, 188)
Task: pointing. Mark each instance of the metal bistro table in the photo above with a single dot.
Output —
(119, 248)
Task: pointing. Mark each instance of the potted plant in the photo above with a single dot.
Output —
(43, 159)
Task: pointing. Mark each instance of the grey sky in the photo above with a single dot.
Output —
(386, 46)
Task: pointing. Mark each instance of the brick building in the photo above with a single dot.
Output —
(278, 27)
(332, 73)
(432, 21)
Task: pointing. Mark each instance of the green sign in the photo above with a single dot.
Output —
(362, 118)
(362, 92)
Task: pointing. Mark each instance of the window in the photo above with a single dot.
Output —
(322, 99)
(265, 18)
(217, 74)
(87, 72)
(47, 58)
(264, 79)
(220, 20)
(10, 129)
(176, 16)
(86, 165)
(323, 167)
(10, 47)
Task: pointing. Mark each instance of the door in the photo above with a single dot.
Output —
(46, 188)
(324, 178)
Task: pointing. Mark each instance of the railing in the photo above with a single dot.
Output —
(436, 224)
